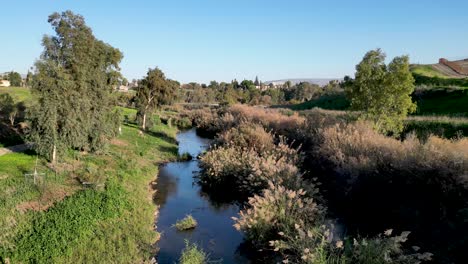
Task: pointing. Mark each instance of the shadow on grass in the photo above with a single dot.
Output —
(162, 135)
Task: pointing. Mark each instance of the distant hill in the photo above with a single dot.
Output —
(443, 69)
(317, 81)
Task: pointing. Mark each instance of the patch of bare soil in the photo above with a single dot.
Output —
(47, 199)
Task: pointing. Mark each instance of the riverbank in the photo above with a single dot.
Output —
(110, 222)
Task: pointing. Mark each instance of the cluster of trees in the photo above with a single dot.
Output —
(73, 83)
(254, 92)
(14, 78)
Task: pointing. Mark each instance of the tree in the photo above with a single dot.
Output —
(73, 84)
(6, 104)
(257, 83)
(14, 78)
(152, 91)
(29, 78)
(383, 93)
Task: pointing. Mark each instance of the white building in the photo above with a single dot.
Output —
(4, 83)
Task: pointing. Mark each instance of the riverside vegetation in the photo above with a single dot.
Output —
(296, 173)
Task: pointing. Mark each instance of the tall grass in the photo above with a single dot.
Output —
(372, 182)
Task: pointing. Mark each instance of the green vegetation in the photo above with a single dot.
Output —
(90, 225)
(336, 101)
(75, 108)
(193, 255)
(152, 92)
(442, 101)
(19, 94)
(427, 71)
(187, 223)
(382, 93)
(14, 78)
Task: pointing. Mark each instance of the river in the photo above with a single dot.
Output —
(178, 194)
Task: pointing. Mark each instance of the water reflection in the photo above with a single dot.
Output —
(178, 195)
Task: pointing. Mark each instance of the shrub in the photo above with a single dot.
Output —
(249, 170)
(185, 157)
(186, 224)
(193, 255)
(317, 245)
(276, 211)
(247, 136)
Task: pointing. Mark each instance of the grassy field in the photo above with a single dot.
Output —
(427, 70)
(64, 222)
(443, 101)
(19, 94)
(434, 101)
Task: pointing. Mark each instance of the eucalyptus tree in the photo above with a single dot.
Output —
(154, 90)
(74, 79)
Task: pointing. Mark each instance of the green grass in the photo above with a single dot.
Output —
(103, 225)
(192, 255)
(19, 94)
(443, 101)
(427, 70)
(186, 224)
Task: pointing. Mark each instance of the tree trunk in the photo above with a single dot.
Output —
(54, 154)
(12, 118)
(143, 126)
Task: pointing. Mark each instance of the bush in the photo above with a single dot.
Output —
(317, 245)
(193, 255)
(248, 169)
(186, 224)
(278, 209)
(185, 157)
(247, 136)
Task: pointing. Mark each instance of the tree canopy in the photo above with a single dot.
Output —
(74, 79)
(154, 90)
(382, 92)
(14, 78)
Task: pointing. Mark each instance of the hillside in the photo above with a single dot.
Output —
(443, 69)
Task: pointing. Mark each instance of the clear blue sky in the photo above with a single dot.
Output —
(202, 40)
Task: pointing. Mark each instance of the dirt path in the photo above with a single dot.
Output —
(13, 149)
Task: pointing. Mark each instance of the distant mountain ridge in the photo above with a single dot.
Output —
(318, 81)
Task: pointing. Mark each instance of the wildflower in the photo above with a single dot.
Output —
(339, 244)
(355, 242)
(388, 232)
(281, 233)
(306, 250)
(286, 261)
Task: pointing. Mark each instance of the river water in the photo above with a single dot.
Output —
(178, 194)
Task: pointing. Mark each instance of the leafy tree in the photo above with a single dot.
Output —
(6, 104)
(14, 78)
(247, 85)
(153, 91)
(29, 78)
(381, 92)
(73, 83)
